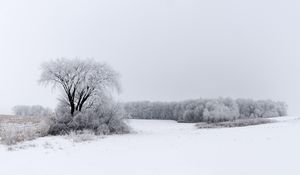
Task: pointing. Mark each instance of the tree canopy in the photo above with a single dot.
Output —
(83, 81)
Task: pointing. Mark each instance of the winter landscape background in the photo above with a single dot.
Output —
(165, 50)
(164, 87)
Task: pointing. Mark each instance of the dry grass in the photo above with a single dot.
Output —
(14, 129)
(19, 120)
(235, 123)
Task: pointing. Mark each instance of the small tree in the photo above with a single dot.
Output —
(82, 81)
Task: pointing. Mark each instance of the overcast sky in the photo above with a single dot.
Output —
(164, 49)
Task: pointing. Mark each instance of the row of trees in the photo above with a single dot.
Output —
(206, 110)
(32, 111)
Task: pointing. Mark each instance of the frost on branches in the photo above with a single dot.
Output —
(86, 101)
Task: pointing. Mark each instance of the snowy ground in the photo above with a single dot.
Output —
(165, 148)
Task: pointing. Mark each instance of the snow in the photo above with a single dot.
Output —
(165, 148)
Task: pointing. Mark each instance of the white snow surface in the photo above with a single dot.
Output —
(164, 148)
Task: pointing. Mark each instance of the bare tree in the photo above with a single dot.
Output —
(82, 81)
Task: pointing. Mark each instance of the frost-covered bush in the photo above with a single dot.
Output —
(234, 123)
(103, 129)
(11, 136)
(116, 126)
(261, 109)
(105, 118)
(206, 110)
(191, 111)
(32, 111)
(265, 109)
(220, 110)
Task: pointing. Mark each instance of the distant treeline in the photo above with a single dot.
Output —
(206, 110)
(32, 111)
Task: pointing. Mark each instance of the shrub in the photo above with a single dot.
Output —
(103, 129)
(220, 110)
(234, 123)
(106, 118)
(58, 128)
(118, 126)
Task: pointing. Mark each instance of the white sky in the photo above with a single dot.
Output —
(164, 49)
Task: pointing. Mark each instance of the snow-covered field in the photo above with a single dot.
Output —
(165, 148)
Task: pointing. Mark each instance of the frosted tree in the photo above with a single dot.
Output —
(82, 81)
(221, 110)
(247, 108)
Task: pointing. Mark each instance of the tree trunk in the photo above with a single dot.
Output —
(72, 110)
